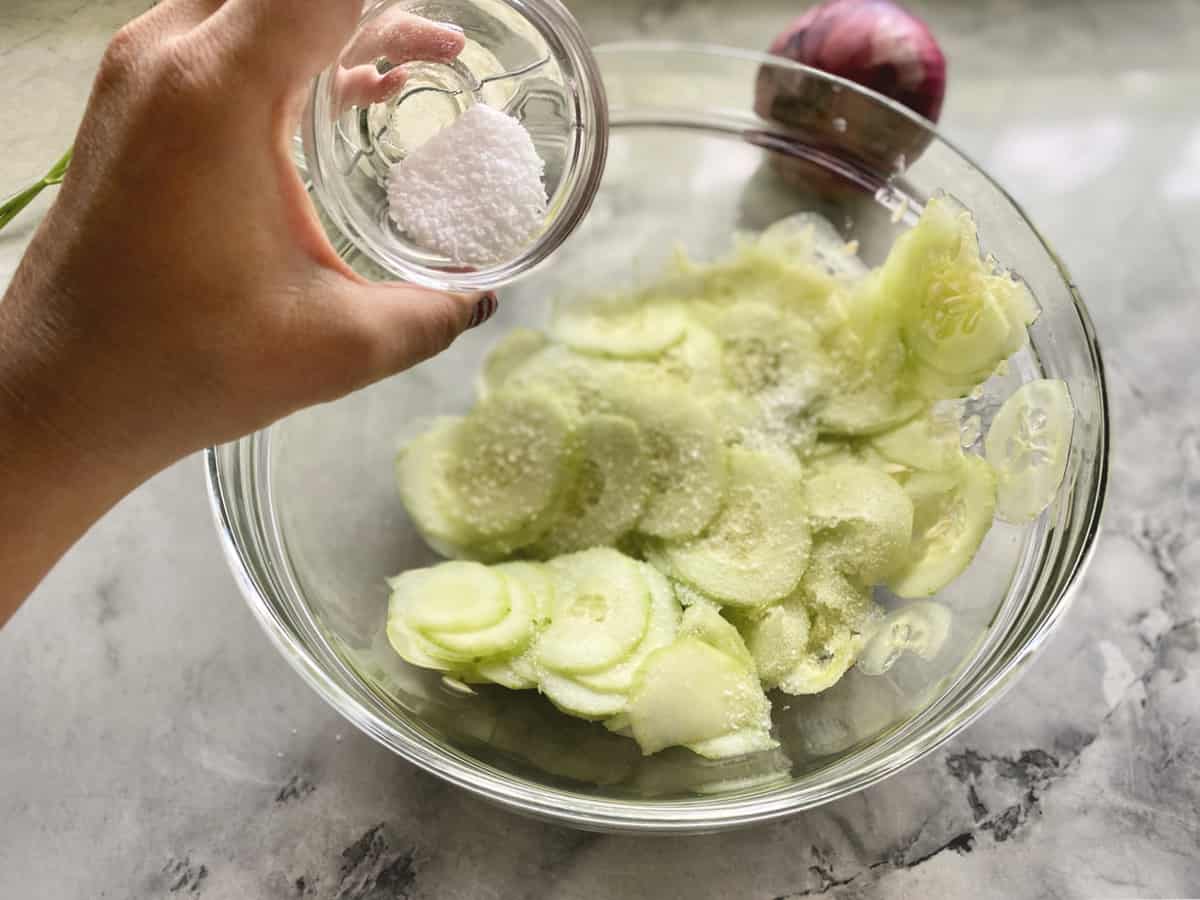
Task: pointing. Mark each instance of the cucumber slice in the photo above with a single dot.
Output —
(862, 516)
(685, 455)
(695, 360)
(622, 327)
(920, 628)
(1028, 444)
(452, 596)
(518, 671)
(511, 352)
(757, 548)
(809, 235)
(688, 596)
(416, 649)
(580, 383)
(706, 624)
(959, 317)
(930, 443)
(763, 350)
(951, 516)
(509, 636)
(818, 671)
(661, 629)
(508, 464)
(602, 606)
(777, 641)
(878, 407)
(608, 493)
(421, 482)
(739, 743)
(723, 697)
(578, 699)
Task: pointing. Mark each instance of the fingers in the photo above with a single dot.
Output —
(401, 37)
(363, 85)
(404, 324)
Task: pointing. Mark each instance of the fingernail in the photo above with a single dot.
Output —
(484, 310)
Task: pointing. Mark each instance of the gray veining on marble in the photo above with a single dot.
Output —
(154, 745)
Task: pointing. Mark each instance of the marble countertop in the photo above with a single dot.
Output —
(155, 745)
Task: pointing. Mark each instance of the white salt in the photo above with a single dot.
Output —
(473, 191)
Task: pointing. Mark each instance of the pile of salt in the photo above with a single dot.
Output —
(473, 191)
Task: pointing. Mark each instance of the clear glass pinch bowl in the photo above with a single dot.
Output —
(311, 524)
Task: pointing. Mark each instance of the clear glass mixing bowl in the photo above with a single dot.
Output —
(312, 526)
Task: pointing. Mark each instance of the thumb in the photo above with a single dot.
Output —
(407, 324)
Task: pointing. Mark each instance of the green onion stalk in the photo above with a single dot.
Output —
(12, 207)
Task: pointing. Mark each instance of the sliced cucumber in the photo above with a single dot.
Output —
(723, 697)
(695, 360)
(609, 490)
(1028, 444)
(739, 743)
(509, 463)
(421, 482)
(762, 350)
(951, 516)
(452, 597)
(662, 628)
(879, 406)
(580, 383)
(506, 638)
(777, 641)
(623, 327)
(920, 628)
(959, 317)
(511, 352)
(930, 443)
(518, 671)
(685, 455)
(757, 548)
(688, 596)
(862, 516)
(602, 606)
(577, 699)
(706, 624)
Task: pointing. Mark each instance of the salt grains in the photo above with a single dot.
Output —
(473, 191)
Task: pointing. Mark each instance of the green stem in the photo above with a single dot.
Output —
(13, 205)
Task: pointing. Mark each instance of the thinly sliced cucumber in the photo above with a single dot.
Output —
(862, 516)
(810, 235)
(582, 384)
(421, 482)
(959, 317)
(518, 671)
(723, 697)
(705, 623)
(951, 516)
(1028, 444)
(763, 350)
(685, 454)
(739, 743)
(777, 641)
(818, 671)
(930, 443)
(688, 596)
(757, 548)
(869, 410)
(416, 649)
(623, 327)
(577, 699)
(609, 490)
(511, 352)
(920, 628)
(695, 360)
(451, 596)
(661, 629)
(601, 612)
(509, 636)
(509, 463)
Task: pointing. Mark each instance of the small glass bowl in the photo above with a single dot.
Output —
(525, 57)
(308, 513)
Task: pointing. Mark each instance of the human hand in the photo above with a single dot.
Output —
(181, 292)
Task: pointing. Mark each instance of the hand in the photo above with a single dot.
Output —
(180, 292)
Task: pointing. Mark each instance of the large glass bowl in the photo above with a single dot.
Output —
(309, 516)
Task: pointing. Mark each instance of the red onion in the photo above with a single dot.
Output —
(875, 43)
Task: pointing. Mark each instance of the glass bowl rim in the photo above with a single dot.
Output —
(716, 813)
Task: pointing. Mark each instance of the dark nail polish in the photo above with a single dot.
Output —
(484, 310)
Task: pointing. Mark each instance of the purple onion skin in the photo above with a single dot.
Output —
(875, 43)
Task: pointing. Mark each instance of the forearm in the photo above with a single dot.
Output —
(53, 485)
